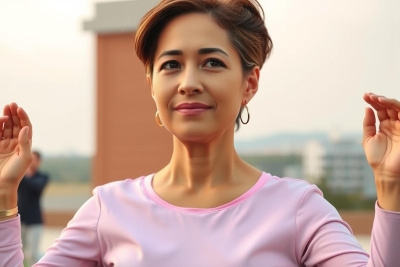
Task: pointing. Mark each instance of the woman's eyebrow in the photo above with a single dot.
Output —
(171, 53)
(201, 51)
(210, 50)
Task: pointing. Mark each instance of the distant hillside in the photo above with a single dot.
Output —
(63, 169)
(273, 164)
(284, 142)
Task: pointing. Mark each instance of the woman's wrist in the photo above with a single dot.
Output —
(388, 191)
(8, 199)
(8, 202)
(8, 214)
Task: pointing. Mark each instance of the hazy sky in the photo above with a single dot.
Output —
(327, 54)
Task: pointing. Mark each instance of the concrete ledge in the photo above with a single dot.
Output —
(58, 219)
(118, 17)
(360, 221)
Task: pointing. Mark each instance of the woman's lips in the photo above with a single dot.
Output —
(192, 108)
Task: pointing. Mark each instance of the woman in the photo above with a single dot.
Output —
(208, 207)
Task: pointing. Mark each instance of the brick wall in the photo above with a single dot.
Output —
(129, 144)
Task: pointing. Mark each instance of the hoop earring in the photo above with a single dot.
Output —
(248, 116)
(158, 120)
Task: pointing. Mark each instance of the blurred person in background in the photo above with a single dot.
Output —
(29, 195)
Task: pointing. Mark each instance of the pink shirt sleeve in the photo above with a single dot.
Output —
(385, 238)
(78, 244)
(324, 240)
(10, 243)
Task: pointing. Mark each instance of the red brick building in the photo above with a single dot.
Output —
(128, 141)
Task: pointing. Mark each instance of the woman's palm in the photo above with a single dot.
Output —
(382, 148)
(15, 145)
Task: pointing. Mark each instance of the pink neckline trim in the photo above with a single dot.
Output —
(148, 189)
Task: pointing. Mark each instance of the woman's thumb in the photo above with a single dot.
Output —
(24, 143)
(369, 128)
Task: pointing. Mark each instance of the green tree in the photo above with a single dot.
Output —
(345, 201)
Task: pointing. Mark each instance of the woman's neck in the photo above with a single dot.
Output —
(199, 165)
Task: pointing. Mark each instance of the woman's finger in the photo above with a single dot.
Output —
(8, 125)
(25, 144)
(15, 119)
(25, 121)
(369, 128)
(393, 103)
(380, 109)
(393, 107)
(3, 119)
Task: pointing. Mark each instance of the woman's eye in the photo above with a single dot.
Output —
(171, 65)
(212, 63)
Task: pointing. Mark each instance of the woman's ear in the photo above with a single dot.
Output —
(252, 80)
(150, 84)
(148, 79)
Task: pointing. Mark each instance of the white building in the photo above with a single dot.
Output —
(342, 163)
(313, 154)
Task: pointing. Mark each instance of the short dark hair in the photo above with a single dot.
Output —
(242, 19)
(37, 154)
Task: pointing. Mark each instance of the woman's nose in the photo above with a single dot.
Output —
(191, 82)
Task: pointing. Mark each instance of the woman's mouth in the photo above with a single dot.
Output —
(192, 108)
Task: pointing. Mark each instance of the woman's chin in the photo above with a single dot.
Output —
(194, 134)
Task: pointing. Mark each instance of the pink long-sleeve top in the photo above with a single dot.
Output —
(278, 222)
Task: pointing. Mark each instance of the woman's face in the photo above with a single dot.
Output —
(198, 83)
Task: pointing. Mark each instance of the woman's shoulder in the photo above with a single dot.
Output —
(121, 188)
(299, 195)
(290, 186)
(289, 192)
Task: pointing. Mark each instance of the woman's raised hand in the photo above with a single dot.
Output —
(15, 151)
(382, 148)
